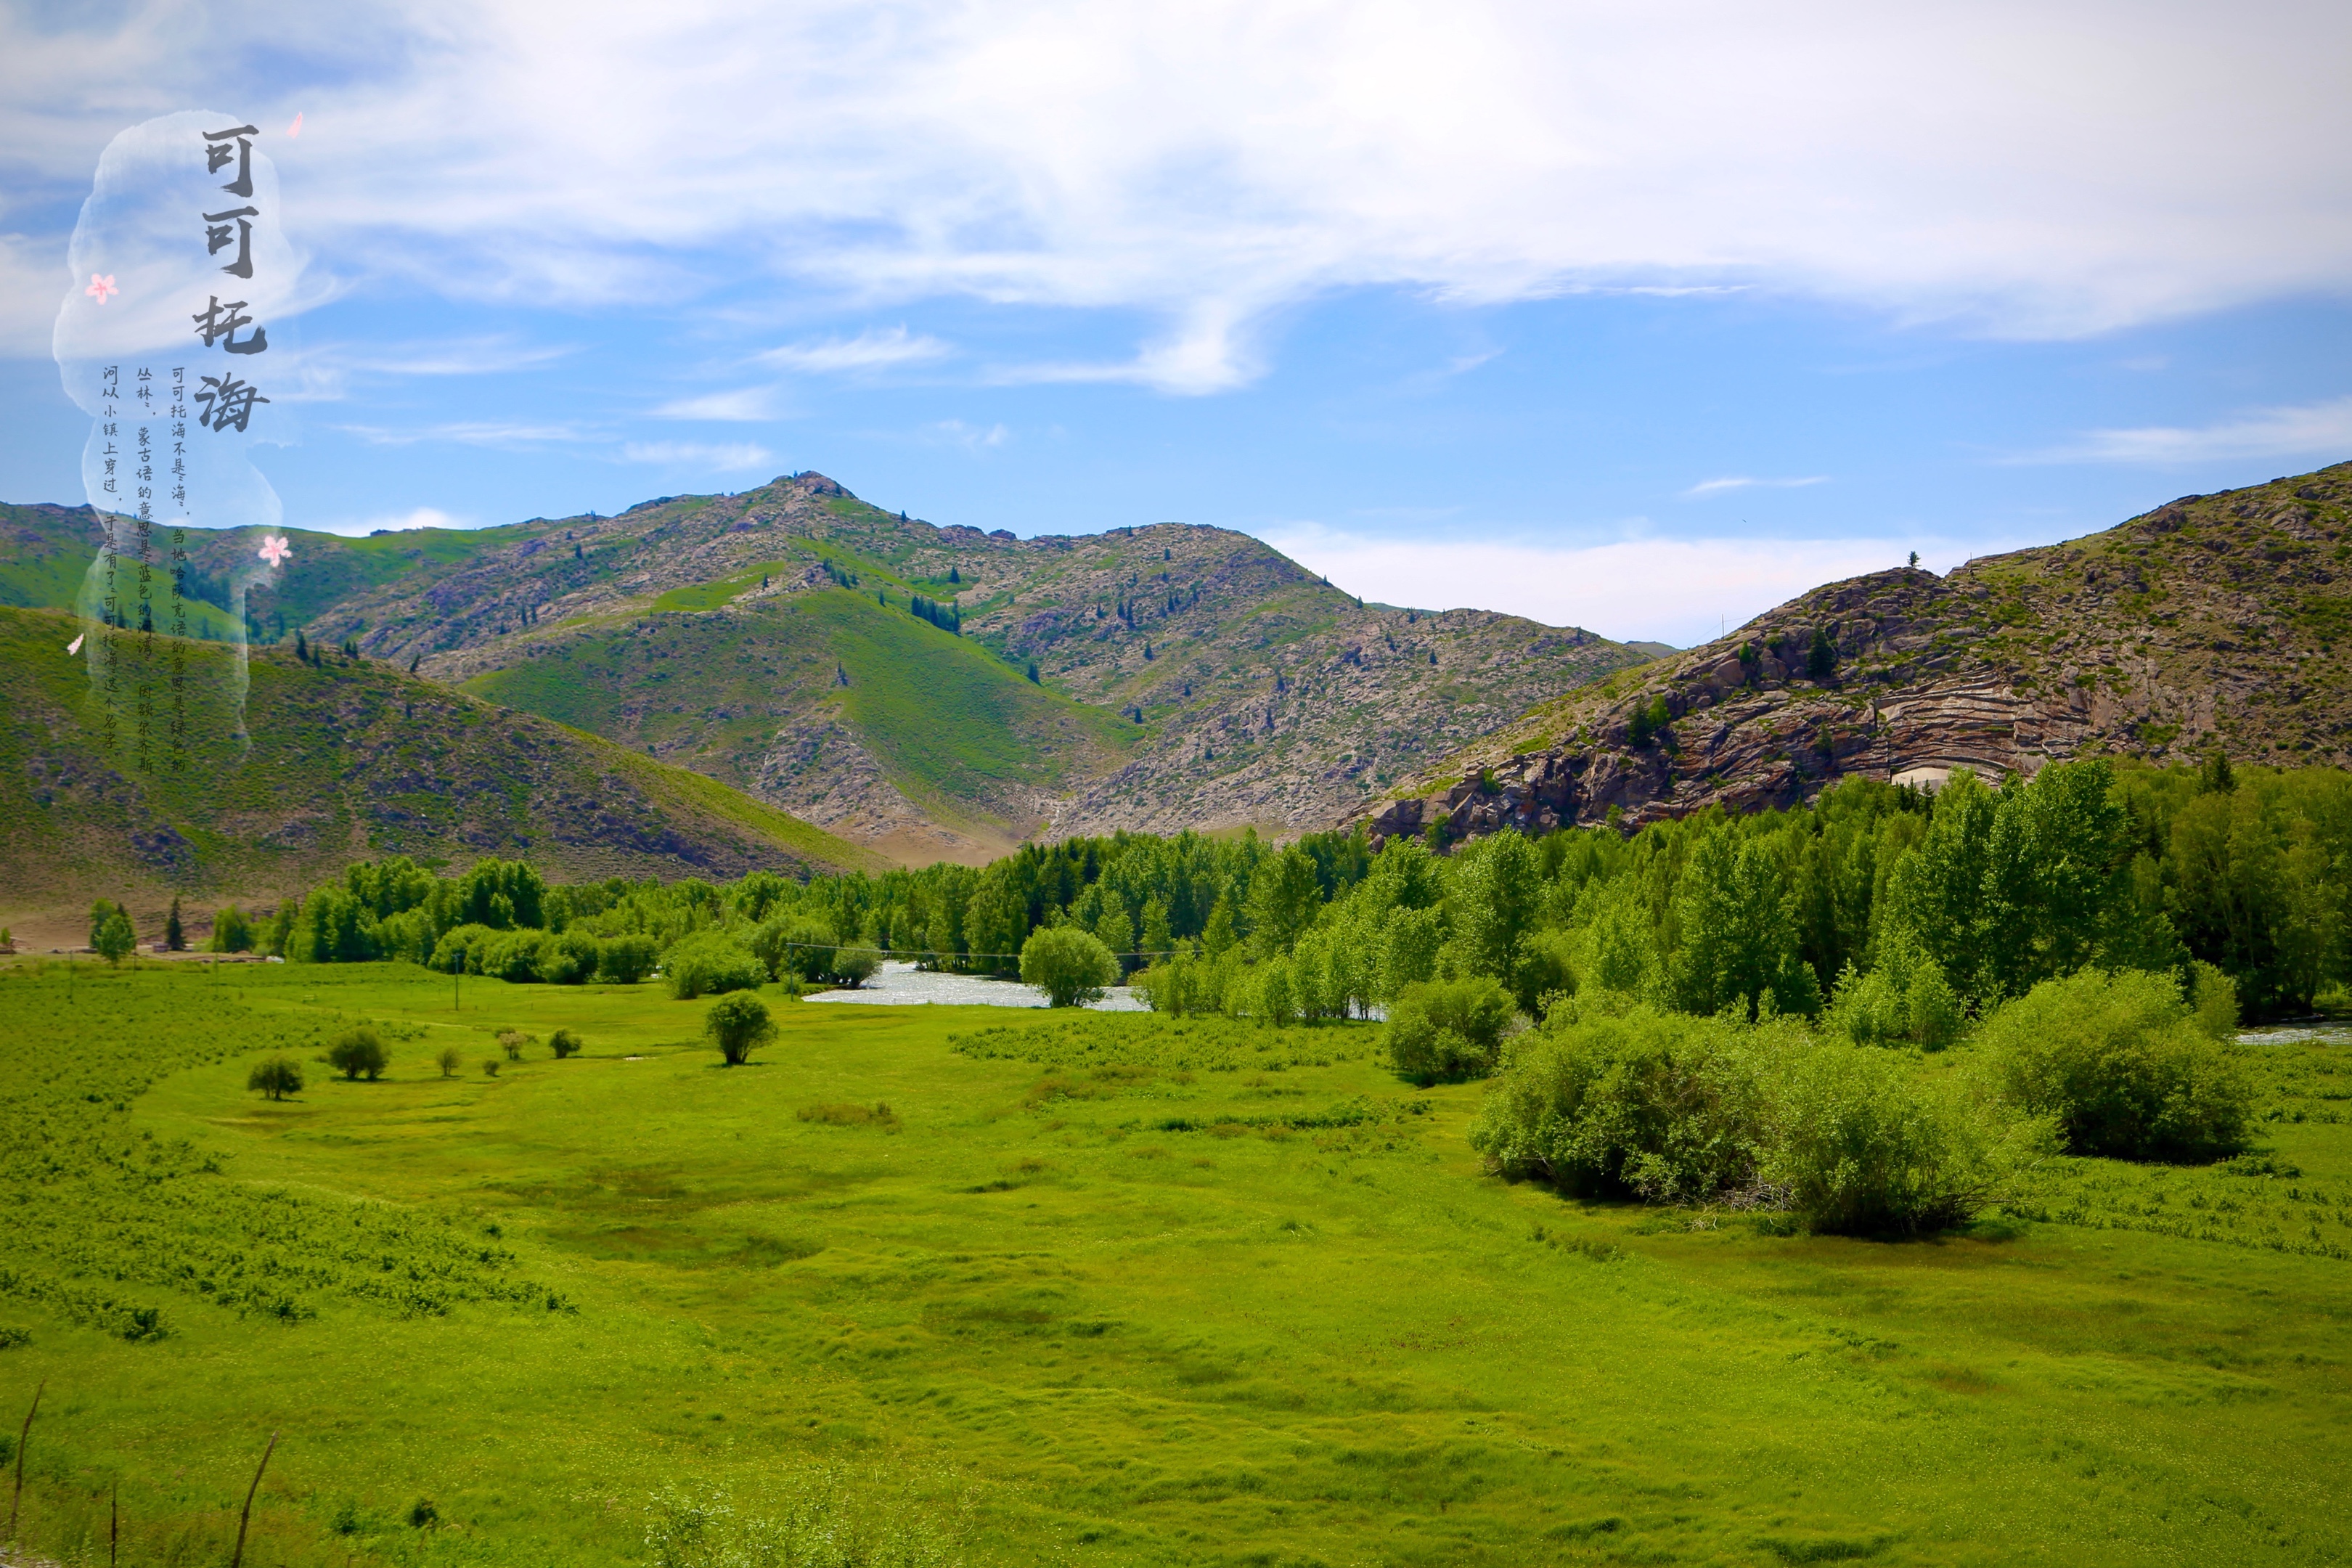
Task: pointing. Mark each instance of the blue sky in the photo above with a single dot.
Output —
(1639, 322)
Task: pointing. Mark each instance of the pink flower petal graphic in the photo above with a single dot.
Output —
(273, 549)
(296, 129)
(100, 286)
(74, 646)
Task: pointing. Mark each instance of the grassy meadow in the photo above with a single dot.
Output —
(971, 1285)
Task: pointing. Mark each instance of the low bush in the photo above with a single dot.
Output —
(232, 930)
(1904, 1000)
(512, 955)
(853, 966)
(460, 948)
(1860, 1143)
(707, 963)
(512, 1041)
(1659, 1105)
(276, 1076)
(1069, 965)
(1447, 1029)
(626, 959)
(450, 1059)
(358, 1053)
(568, 958)
(797, 944)
(563, 1043)
(2124, 1066)
(736, 1024)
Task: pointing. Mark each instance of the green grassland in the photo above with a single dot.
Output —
(1078, 1289)
(343, 754)
(950, 724)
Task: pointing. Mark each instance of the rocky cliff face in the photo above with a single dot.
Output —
(2213, 621)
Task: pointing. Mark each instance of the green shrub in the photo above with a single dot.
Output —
(512, 1041)
(1903, 1000)
(276, 1076)
(853, 966)
(736, 1024)
(793, 944)
(707, 963)
(1660, 1105)
(449, 1061)
(512, 956)
(2213, 997)
(1069, 965)
(232, 932)
(2123, 1067)
(1861, 1142)
(358, 1053)
(627, 959)
(114, 939)
(568, 958)
(461, 949)
(1447, 1028)
(564, 1044)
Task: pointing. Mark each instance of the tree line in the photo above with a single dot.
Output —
(1907, 912)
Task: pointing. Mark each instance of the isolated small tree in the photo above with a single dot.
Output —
(176, 940)
(512, 1041)
(1069, 965)
(563, 1043)
(737, 1022)
(358, 1053)
(115, 939)
(276, 1076)
(450, 1059)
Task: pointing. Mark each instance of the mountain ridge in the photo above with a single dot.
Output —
(2210, 622)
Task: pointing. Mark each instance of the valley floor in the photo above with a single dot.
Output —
(1009, 1287)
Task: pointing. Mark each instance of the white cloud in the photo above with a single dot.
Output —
(507, 435)
(693, 454)
(866, 350)
(750, 405)
(971, 439)
(1682, 591)
(2305, 430)
(1706, 488)
(2034, 169)
(460, 356)
(397, 522)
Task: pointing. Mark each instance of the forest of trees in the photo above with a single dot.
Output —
(1907, 912)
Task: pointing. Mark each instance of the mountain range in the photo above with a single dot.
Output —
(790, 676)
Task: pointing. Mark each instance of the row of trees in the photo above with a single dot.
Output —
(1903, 914)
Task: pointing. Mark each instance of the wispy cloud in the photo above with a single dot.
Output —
(866, 350)
(2301, 430)
(464, 356)
(724, 458)
(1682, 591)
(1707, 487)
(750, 405)
(974, 439)
(504, 433)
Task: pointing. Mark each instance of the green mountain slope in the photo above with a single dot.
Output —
(871, 719)
(347, 760)
(2213, 621)
(1225, 683)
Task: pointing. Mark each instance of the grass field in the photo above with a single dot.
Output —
(1006, 1288)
